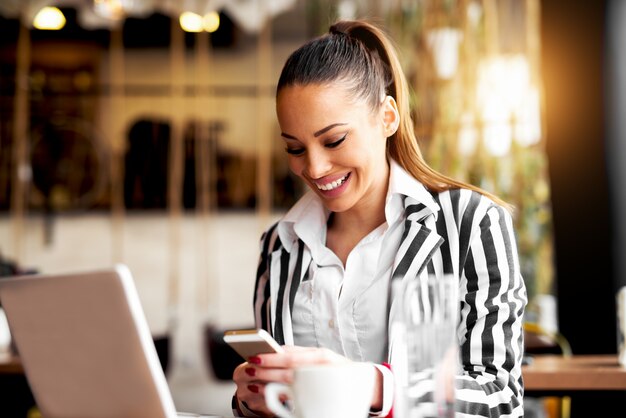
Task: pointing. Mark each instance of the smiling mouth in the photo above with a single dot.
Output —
(333, 184)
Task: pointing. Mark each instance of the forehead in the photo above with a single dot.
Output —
(314, 92)
(334, 98)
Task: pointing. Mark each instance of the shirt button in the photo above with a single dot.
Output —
(331, 324)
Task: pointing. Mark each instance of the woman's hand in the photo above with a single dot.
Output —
(251, 389)
(252, 376)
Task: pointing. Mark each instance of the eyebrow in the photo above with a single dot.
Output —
(316, 134)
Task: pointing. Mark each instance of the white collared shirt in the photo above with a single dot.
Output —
(345, 308)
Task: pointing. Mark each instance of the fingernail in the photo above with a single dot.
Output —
(250, 371)
(253, 388)
(254, 360)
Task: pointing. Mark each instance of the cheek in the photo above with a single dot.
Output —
(295, 165)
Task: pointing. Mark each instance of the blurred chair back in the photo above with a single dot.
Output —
(538, 341)
(221, 357)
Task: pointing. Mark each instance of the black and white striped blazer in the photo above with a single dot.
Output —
(469, 236)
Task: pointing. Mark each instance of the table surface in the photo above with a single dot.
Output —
(10, 364)
(546, 372)
(580, 372)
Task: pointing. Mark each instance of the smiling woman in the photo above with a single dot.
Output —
(337, 146)
(376, 215)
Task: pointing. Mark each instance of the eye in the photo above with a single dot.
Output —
(294, 151)
(336, 143)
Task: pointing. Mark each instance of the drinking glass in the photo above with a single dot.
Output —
(621, 323)
(430, 315)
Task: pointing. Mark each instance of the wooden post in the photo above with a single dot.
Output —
(21, 142)
(264, 105)
(175, 181)
(491, 27)
(206, 289)
(117, 99)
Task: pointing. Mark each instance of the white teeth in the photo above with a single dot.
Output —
(332, 185)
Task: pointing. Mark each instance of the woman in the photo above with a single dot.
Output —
(376, 212)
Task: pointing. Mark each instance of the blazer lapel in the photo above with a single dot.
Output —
(275, 279)
(288, 269)
(418, 245)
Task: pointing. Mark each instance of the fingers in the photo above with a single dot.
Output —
(299, 356)
(247, 372)
(240, 376)
(251, 389)
(253, 395)
(265, 374)
(252, 376)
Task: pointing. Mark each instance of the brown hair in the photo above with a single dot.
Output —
(361, 56)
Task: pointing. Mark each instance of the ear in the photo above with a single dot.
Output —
(390, 115)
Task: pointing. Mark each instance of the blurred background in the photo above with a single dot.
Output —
(143, 132)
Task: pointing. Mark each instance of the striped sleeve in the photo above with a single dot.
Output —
(493, 298)
(480, 248)
(261, 301)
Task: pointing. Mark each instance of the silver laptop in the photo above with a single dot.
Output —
(85, 345)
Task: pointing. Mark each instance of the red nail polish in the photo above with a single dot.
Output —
(254, 360)
(250, 371)
(253, 388)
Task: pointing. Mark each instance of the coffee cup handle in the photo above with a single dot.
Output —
(272, 399)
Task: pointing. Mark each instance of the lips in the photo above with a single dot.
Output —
(333, 184)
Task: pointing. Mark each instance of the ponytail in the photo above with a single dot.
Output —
(362, 56)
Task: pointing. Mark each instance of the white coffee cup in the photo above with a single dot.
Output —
(330, 391)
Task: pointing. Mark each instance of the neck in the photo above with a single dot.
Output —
(364, 217)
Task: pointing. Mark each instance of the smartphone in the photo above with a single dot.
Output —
(250, 342)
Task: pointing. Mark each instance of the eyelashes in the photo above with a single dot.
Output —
(337, 143)
(294, 151)
(299, 151)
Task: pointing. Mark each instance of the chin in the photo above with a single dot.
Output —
(334, 205)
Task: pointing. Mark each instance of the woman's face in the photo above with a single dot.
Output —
(336, 144)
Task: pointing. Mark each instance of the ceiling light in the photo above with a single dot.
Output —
(49, 18)
(109, 9)
(191, 22)
(211, 21)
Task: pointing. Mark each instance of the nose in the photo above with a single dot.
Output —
(317, 164)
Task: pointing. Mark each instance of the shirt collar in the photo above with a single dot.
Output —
(307, 218)
(402, 185)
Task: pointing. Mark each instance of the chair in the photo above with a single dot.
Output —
(162, 345)
(220, 356)
(539, 341)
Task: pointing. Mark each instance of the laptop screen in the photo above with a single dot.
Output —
(85, 345)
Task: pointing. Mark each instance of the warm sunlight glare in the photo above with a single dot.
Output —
(508, 103)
